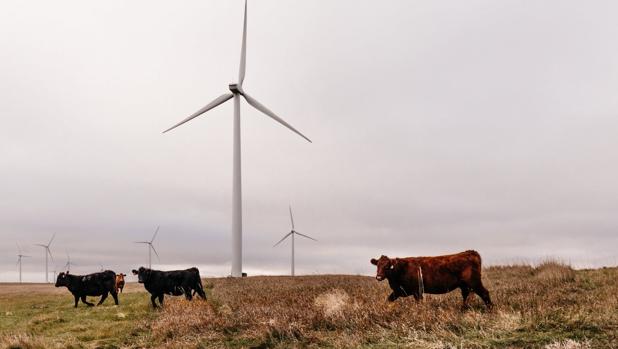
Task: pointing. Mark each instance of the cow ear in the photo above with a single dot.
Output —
(134, 272)
(374, 261)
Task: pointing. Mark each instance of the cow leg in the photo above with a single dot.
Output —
(161, 296)
(152, 299)
(86, 302)
(188, 294)
(465, 292)
(76, 300)
(393, 296)
(115, 296)
(201, 292)
(103, 298)
(484, 294)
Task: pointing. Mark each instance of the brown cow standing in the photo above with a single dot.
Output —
(120, 282)
(412, 276)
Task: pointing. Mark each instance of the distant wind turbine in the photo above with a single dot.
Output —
(47, 253)
(292, 233)
(19, 257)
(68, 264)
(236, 92)
(150, 248)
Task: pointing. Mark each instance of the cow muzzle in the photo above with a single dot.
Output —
(379, 277)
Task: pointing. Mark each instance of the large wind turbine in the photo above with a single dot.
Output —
(19, 257)
(236, 92)
(292, 233)
(47, 253)
(150, 248)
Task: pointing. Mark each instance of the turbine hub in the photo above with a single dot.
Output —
(236, 89)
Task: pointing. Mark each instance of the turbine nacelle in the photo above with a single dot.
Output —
(236, 89)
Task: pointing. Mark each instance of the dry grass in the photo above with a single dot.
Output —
(549, 306)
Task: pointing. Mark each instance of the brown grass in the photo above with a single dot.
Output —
(549, 306)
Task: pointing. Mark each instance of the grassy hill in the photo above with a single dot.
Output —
(551, 306)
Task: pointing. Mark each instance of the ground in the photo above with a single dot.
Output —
(551, 307)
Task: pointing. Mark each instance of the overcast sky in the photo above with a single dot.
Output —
(437, 127)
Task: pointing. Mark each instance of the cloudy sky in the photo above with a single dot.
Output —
(437, 127)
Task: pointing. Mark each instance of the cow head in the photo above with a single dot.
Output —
(62, 279)
(386, 266)
(120, 277)
(143, 274)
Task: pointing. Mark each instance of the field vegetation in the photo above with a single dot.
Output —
(549, 306)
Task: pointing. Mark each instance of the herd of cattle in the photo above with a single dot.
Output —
(158, 283)
(411, 276)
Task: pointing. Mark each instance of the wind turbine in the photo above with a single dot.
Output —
(292, 233)
(19, 257)
(68, 264)
(150, 248)
(236, 92)
(47, 253)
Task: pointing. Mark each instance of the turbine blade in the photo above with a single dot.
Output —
(218, 101)
(141, 242)
(286, 235)
(50, 254)
(40, 245)
(155, 251)
(18, 248)
(291, 217)
(257, 105)
(243, 50)
(307, 236)
(155, 235)
(52, 239)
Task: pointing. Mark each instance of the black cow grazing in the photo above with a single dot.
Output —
(97, 284)
(173, 283)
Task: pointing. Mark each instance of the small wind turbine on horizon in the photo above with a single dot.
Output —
(19, 257)
(236, 92)
(47, 253)
(150, 248)
(68, 264)
(292, 233)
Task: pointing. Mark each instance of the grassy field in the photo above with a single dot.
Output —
(550, 306)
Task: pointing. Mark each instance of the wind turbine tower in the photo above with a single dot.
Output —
(237, 91)
(19, 258)
(47, 254)
(292, 233)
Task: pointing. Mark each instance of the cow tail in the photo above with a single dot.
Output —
(421, 283)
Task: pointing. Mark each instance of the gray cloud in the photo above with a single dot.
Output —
(437, 127)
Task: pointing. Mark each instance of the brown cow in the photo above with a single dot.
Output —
(413, 276)
(120, 282)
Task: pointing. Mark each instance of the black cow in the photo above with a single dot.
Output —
(97, 284)
(173, 283)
